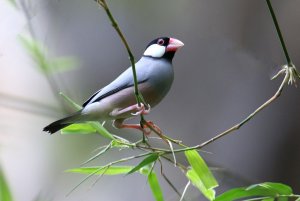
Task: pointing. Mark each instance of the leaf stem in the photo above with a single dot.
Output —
(288, 59)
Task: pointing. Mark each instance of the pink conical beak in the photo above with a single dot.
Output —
(174, 45)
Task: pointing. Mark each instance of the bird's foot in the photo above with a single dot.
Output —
(133, 110)
(146, 128)
(151, 126)
(141, 109)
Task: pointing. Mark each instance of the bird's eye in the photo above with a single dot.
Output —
(160, 42)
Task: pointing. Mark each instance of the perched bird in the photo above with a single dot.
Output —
(116, 101)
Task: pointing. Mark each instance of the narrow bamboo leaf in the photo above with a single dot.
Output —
(106, 170)
(63, 64)
(80, 128)
(202, 170)
(4, 189)
(98, 154)
(268, 199)
(236, 193)
(95, 125)
(155, 187)
(298, 199)
(266, 189)
(153, 182)
(37, 51)
(276, 188)
(197, 182)
(121, 142)
(70, 101)
(282, 199)
(101, 130)
(146, 161)
(100, 168)
(13, 2)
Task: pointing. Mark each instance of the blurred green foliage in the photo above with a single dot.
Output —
(263, 191)
(39, 54)
(5, 194)
(13, 2)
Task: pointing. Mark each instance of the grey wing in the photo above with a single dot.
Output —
(124, 81)
(90, 98)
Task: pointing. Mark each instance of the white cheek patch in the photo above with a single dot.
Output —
(155, 51)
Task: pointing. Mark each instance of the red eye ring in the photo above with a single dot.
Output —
(160, 42)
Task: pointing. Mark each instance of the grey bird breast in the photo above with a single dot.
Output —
(160, 78)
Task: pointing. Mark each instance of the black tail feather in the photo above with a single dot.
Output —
(54, 127)
(60, 124)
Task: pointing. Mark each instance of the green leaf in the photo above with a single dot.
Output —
(276, 188)
(93, 124)
(13, 2)
(39, 54)
(266, 189)
(99, 170)
(238, 193)
(155, 187)
(101, 130)
(80, 128)
(87, 128)
(146, 161)
(4, 189)
(268, 199)
(202, 170)
(121, 142)
(98, 154)
(63, 64)
(37, 51)
(70, 101)
(196, 181)
(153, 182)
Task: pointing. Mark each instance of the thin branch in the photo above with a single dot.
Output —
(168, 180)
(105, 167)
(161, 135)
(115, 25)
(184, 191)
(161, 152)
(286, 79)
(237, 126)
(289, 61)
(138, 96)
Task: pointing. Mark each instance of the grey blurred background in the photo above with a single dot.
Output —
(221, 75)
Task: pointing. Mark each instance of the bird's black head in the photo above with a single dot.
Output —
(163, 47)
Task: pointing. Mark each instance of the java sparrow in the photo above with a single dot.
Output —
(116, 101)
